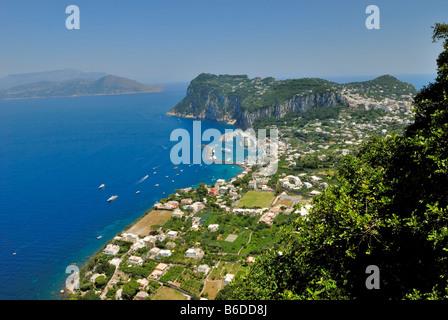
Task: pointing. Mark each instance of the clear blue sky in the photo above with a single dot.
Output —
(158, 41)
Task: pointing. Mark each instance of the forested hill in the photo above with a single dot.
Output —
(238, 99)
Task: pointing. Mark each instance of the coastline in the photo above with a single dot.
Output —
(63, 289)
(85, 95)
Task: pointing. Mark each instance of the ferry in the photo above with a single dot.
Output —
(101, 186)
(112, 198)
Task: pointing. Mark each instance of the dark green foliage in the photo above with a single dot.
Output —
(390, 209)
(225, 93)
(130, 289)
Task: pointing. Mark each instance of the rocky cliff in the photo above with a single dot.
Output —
(240, 100)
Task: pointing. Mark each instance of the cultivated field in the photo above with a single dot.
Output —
(166, 293)
(253, 199)
(151, 221)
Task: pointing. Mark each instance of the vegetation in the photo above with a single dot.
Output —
(390, 209)
(226, 92)
(256, 199)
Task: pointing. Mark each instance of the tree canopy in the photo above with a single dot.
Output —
(389, 209)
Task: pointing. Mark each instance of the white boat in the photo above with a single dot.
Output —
(137, 192)
(112, 198)
(157, 185)
(99, 237)
(155, 172)
(101, 186)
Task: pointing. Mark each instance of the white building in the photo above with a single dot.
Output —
(220, 182)
(178, 213)
(203, 268)
(111, 249)
(135, 260)
(194, 253)
(165, 253)
(130, 237)
(172, 234)
(228, 278)
(213, 227)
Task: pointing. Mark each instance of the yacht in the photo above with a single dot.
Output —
(112, 198)
(101, 186)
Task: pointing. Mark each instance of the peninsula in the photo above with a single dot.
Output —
(242, 101)
(68, 83)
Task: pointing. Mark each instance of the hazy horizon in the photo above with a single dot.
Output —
(174, 41)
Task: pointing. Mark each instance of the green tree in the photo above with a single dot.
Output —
(389, 208)
(130, 289)
(100, 282)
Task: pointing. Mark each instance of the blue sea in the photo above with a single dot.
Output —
(55, 152)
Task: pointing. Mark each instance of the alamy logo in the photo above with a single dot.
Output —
(373, 281)
(72, 21)
(233, 147)
(72, 281)
(373, 21)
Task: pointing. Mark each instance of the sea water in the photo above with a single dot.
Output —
(56, 152)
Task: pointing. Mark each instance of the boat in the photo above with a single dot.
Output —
(112, 198)
(172, 181)
(156, 185)
(99, 237)
(177, 174)
(155, 172)
(166, 176)
(137, 192)
(101, 186)
(175, 168)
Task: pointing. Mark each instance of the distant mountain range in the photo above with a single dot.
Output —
(68, 83)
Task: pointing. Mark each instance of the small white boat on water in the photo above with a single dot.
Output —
(157, 185)
(155, 172)
(99, 237)
(101, 186)
(112, 198)
(137, 192)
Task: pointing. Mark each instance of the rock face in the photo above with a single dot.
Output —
(214, 106)
(241, 101)
(299, 104)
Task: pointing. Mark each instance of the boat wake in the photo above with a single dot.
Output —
(143, 179)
